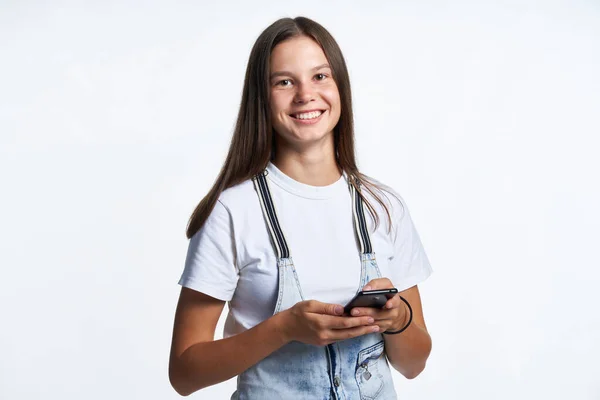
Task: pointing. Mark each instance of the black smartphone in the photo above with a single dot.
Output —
(370, 298)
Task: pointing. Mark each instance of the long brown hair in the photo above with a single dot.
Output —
(253, 145)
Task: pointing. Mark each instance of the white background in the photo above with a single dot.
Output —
(115, 118)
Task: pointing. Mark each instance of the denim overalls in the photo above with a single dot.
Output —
(350, 369)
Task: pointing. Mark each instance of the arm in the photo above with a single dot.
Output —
(408, 351)
(198, 361)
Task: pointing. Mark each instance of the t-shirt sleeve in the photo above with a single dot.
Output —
(409, 264)
(210, 262)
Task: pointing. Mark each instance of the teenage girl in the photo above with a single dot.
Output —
(288, 235)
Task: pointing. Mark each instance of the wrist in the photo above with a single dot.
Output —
(399, 322)
(402, 323)
(282, 327)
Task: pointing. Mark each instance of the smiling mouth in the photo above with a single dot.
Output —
(307, 116)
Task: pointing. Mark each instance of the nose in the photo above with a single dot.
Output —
(304, 93)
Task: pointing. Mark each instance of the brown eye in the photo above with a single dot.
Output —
(320, 77)
(285, 82)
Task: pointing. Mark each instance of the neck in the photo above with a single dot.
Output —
(313, 166)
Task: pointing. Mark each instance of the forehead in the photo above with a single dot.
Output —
(297, 53)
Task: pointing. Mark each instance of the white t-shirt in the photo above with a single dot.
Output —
(232, 258)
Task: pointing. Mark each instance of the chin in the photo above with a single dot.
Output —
(306, 137)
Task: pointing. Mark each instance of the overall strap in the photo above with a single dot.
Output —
(360, 223)
(266, 203)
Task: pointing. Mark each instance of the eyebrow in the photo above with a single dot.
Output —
(283, 73)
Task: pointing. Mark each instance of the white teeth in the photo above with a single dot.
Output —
(309, 115)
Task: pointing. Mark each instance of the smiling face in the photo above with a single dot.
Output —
(305, 102)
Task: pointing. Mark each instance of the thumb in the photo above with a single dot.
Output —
(330, 309)
(377, 283)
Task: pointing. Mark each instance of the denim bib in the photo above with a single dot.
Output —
(354, 368)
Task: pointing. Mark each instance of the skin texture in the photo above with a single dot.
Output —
(407, 351)
(299, 81)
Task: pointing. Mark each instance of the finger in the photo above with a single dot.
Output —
(375, 313)
(342, 334)
(378, 283)
(394, 302)
(324, 308)
(356, 311)
(348, 322)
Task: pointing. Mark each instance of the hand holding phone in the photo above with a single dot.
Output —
(370, 298)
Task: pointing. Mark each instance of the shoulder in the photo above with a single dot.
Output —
(230, 216)
(240, 202)
(239, 196)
